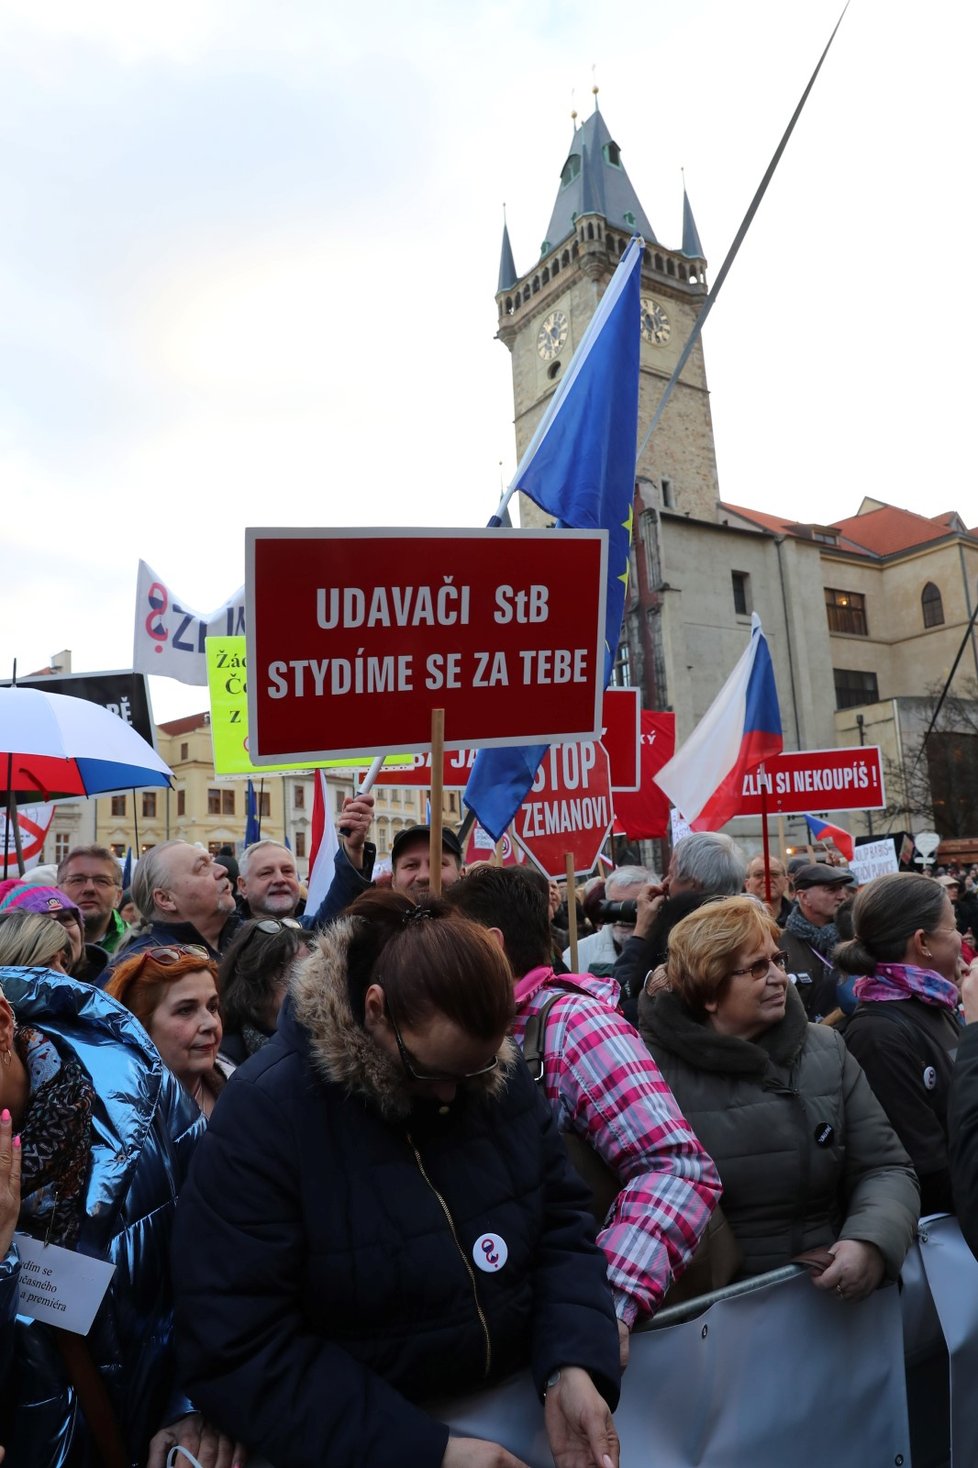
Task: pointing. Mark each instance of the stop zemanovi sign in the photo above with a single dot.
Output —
(569, 809)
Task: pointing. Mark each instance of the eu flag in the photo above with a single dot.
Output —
(252, 823)
(580, 467)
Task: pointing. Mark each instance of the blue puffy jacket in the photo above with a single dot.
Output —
(328, 1241)
(144, 1130)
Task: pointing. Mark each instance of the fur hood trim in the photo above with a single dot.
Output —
(343, 1053)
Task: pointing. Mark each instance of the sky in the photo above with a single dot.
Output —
(249, 250)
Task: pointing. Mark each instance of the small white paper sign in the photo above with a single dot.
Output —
(59, 1286)
(874, 859)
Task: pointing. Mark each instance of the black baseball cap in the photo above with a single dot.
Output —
(819, 874)
(449, 840)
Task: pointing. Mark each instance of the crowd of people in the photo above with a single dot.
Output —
(348, 1162)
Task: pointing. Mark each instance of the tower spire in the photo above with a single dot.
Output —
(507, 265)
(692, 248)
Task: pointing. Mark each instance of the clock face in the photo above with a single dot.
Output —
(552, 335)
(656, 326)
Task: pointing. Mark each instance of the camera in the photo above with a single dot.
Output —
(619, 912)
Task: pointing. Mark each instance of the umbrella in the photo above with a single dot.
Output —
(53, 747)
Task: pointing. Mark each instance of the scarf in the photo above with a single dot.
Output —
(904, 981)
(55, 1140)
(824, 940)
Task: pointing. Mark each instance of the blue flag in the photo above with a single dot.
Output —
(127, 870)
(252, 826)
(580, 467)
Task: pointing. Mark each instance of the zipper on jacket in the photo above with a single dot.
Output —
(462, 1255)
(804, 1187)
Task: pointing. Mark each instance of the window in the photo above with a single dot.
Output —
(300, 843)
(340, 797)
(612, 155)
(299, 797)
(621, 673)
(264, 803)
(740, 581)
(570, 170)
(149, 803)
(853, 687)
(227, 803)
(846, 612)
(213, 802)
(62, 845)
(932, 606)
(668, 499)
(185, 751)
(118, 805)
(181, 802)
(118, 849)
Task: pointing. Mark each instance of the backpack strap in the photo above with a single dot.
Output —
(536, 1029)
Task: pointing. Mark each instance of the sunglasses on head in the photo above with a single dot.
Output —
(176, 953)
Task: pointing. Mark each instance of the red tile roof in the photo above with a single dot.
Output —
(187, 724)
(890, 529)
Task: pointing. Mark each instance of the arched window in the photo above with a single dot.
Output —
(570, 170)
(932, 606)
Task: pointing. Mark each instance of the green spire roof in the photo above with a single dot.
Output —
(594, 181)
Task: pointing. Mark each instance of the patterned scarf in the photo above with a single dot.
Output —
(904, 981)
(55, 1140)
(824, 940)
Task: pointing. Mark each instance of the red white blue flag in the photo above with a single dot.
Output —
(824, 831)
(738, 732)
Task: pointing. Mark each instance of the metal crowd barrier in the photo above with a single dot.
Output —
(772, 1373)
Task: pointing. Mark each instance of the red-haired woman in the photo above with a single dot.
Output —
(173, 993)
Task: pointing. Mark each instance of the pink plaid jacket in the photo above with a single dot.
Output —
(603, 1085)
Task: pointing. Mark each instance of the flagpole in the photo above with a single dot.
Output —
(366, 785)
(765, 838)
(437, 789)
(570, 875)
(700, 321)
(135, 823)
(261, 796)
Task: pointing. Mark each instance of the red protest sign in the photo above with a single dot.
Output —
(354, 636)
(620, 715)
(568, 809)
(815, 780)
(645, 814)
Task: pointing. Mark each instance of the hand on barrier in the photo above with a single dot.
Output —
(474, 1452)
(857, 1271)
(579, 1425)
(191, 1442)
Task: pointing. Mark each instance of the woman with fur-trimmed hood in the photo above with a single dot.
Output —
(382, 1214)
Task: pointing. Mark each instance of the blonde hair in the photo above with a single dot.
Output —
(31, 939)
(703, 944)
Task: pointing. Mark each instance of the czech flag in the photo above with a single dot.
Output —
(738, 732)
(822, 831)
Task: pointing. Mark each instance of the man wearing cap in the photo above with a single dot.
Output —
(410, 864)
(410, 868)
(810, 936)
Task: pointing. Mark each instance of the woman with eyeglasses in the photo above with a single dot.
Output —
(95, 1140)
(382, 1214)
(251, 980)
(807, 1158)
(906, 954)
(172, 991)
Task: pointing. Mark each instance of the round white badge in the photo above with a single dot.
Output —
(930, 1077)
(490, 1253)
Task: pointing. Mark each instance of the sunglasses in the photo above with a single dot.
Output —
(415, 1074)
(167, 957)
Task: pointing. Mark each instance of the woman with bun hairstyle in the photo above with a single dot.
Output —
(906, 955)
(382, 1213)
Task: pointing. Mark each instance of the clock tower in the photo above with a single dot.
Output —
(543, 315)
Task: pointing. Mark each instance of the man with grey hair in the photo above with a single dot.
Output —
(704, 865)
(268, 885)
(598, 953)
(185, 897)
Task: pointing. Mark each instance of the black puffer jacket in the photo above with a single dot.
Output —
(329, 1244)
(907, 1050)
(804, 1151)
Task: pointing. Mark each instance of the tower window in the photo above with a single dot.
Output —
(570, 170)
(629, 218)
(740, 581)
(612, 154)
(668, 498)
(554, 369)
(932, 606)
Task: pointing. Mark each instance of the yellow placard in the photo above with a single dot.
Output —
(229, 717)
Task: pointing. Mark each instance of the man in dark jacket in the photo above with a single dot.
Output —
(810, 936)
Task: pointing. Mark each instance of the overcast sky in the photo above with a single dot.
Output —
(248, 255)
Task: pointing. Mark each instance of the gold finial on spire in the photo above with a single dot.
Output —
(594, 87)
(573, 110)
